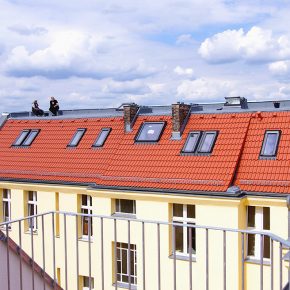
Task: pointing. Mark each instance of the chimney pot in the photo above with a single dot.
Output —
(130, 112)
(180, 112)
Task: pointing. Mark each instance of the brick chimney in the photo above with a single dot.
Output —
(180, 113)
(130, 114)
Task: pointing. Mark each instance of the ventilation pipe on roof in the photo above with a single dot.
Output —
(130, 115)
(180, 116)
(276, 105)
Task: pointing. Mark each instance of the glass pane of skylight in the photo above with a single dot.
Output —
(21, 137)
(102, 137)
(270, 144)
(77, 137)
(150, 132)
(30, 138)
(191, 142)
(207, 142)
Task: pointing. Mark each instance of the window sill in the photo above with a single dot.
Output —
(182, 257)
(34, 232)
(125, 285)
(266, 261)
(124, 215)
(86, 239)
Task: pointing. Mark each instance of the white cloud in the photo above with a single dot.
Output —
(256, 45)
(185, 39)
(187, 72)
(280, 68)
(129, 87)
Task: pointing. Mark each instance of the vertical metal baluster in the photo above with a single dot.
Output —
(20, 252)
(65, 250)
(77, 251)
(115, 251)
(129, 255)
(280, 262)
(289, 271)
(272, 264)
(102, 252)
(261, 261)
(159, 267)
(143, 254)
(225, 258)
(90, 258)
(243, 261)
(206, 259)
(53, 252)
(32, 249)
(174, 256)
(190, 258)
(43, 251)
(8, 258)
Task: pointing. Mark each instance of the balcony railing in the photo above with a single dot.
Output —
(82, 251)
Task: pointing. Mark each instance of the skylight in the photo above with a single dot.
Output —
(200, 142)
(77, 137)
(26, 137)
(102, 137)
(270, 144)
(150, 132)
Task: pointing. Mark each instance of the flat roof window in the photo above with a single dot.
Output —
(77, 137)
(207, 142)
(26, 137)
(191, 142)
(270, 144)
(150, 132)
(102, 137)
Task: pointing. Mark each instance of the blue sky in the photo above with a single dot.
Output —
(91, 54)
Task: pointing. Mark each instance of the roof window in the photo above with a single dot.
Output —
(270, 144)
(200, 142)
(102, 137)
(77, 137)
(26, 137)
(150, 132)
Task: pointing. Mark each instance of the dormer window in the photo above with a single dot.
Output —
(200, 142)
(26, 137)
(150, 132)
(270, 143)
(102, 137)
(77, 137)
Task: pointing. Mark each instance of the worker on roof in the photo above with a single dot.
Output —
(36, 110)
(54, 106)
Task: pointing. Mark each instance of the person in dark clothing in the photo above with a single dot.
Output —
(36, 110)
(54, 106)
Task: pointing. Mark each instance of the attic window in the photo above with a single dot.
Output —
(150, 132)
(26, 137)
(77, 137)
(200, 142)
(270, 144)
(102, 137)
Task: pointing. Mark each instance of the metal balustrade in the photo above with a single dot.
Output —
(47, 249)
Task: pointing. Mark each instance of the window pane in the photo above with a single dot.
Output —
(84, 199)
(251, 216)
(192, 240)
(77, 137)
(191, 211)
(150, 132)
(124, 261)
(270, 144)
(251, 245)
(21, 137)
(102, 137)
(30, 195)
(191, 142)
(207, 142)
(125, 206)
(266, 218)
(6, 211)
(178, 210)
(30, 138)
(179, 239)
(266, 247)
(5, 193)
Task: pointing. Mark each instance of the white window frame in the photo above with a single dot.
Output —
(6, 200)
(118, 204)
(133, 255)
(184, 220)
(89, 209)
(259, 226)
(32, 223)
(92, 283)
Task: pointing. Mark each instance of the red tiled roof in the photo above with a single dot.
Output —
(123, 163)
